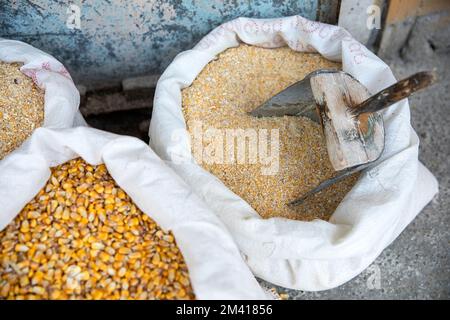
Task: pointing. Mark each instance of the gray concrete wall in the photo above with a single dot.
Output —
(116, 39)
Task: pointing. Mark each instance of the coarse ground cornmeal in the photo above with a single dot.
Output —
(21, 107)
(82, 237)
(240, 80)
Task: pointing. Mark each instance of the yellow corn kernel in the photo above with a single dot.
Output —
(104, 256)
(120, 229)
(84, 276)
(82, 188)
(103, 236)
(25, 227)
(97, 246)
(82, 211)
(38, 290)
(134, 222)
(97, 294)
(66, 214)
(99, 188)
(109, 200)
(135, 255)
(21, 248)
(24, 281)
(67, 186)
(37, 278)
(56, 294)
(124, 250)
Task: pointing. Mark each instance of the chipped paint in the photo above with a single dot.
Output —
(119, 39)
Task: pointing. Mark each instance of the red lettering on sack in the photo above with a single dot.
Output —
(359, 58)
(266, 27)
(251, 27)
(324, 31)
(46, 65)
(33, 75)
(307, 25)
(63, 71)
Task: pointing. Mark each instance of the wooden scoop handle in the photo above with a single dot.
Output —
(398, 91)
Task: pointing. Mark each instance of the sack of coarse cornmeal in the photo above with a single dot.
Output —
(77, 203)
(36, 91)
(318, 254)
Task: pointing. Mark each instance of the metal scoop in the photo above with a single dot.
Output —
(353, 130)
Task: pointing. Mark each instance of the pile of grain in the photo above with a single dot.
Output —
(237, 82)
(82, 237)
(21, 107)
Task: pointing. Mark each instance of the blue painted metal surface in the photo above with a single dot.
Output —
(118, 39)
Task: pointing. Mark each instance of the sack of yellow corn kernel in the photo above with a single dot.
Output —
(36, 90)
(88, 214)
(231, 71)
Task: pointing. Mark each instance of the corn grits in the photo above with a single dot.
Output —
(238, 81)
(21, 107)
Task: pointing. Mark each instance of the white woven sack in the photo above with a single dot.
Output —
(313, 255)
(216, 268)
